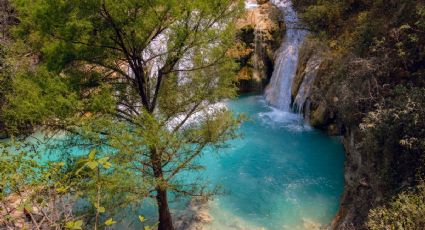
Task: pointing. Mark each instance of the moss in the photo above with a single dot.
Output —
(319, 116)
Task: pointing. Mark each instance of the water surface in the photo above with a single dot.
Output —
(281, 175)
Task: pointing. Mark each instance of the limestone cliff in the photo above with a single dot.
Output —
(328, 100)
(345, 91)
(309, 62)
(260, 33)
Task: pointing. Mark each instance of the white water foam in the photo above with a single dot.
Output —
(204, 112)
(250, 4)
(276, 118)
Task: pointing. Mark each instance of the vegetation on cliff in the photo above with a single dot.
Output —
(405, 211)
(370, 84)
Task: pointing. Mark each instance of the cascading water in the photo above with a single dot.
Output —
(278, 92)
(258, 53)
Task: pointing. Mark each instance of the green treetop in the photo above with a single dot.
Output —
(137, 76)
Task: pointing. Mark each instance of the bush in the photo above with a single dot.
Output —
(406, 211)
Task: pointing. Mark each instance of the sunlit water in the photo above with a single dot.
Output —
(282, 174)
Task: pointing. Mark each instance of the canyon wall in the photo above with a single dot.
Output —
(346, 94)
(260, 33)
(369, 88)
(330, 105)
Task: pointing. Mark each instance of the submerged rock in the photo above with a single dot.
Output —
(199, 216)
(196, 217)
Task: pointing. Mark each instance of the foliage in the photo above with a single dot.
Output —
(39, 194)
(396, 131)
(361, 26)
(44, 193)
(4, 82)
(371, 84)
(137, 80)
(36, 96)
(7, 19)
(406, 211)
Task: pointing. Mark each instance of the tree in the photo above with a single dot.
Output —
(142, 77)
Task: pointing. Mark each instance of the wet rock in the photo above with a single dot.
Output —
(319, 115)
(260, 34)
(262, 1)
(196, 217)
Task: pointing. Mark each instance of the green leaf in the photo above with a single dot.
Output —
(107, 165)
(92, 154)
(101, 209)
(142, 218)
(103, 160)
(61, 190)
(405, 27)
(92, 164)
(69, 225)
(110, 222)
(76, 225)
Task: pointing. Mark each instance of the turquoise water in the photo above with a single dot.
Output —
(281, 175)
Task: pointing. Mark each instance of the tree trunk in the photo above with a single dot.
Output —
(165, 221)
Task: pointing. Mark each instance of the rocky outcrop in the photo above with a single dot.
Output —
(260, 33)
(309, 61)
(344, 91)
(311, 94)
(361, 187)
(340, 83)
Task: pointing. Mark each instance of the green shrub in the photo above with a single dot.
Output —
(406, 211)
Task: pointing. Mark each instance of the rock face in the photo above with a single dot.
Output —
(359, 192)
(260, 33)
(339, 101)
(309, 61)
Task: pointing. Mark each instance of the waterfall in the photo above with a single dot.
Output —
(278, 92)
(258, 54)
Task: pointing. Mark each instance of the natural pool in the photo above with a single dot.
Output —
(281, 175)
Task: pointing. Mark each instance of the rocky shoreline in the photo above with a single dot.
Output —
(195, 217)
